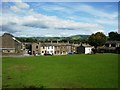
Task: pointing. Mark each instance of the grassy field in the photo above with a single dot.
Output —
(69, 71)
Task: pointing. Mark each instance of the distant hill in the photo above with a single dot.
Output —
(80, 37)
(74, 37)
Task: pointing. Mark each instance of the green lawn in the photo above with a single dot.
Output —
(69, 71)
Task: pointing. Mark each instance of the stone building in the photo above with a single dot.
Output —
(110, 47)
(10, 44)
(53, 48)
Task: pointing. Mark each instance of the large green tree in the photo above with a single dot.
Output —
(114, 36)
(97, 39)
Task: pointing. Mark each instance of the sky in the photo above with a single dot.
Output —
(58, 19)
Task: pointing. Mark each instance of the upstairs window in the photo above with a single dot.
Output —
(52, 47)
(43, 47)
(36, 47)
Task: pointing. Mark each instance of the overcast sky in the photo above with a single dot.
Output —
(40, 19)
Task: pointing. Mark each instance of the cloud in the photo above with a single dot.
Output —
(54, 8)
(74, 12)
(15, 9)
(22, 5)
(19, 6)
(96, 12)
(35, 25)
(38, 24)
(107, 22)
(39, 20)
(72, 8)
(11, 0)
(42, 25)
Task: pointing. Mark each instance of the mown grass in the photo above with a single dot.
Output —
(69, 71)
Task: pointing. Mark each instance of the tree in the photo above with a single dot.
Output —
(114, 36)
(97, 39)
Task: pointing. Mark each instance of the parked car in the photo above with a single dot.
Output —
(70, 53)
(47, 54)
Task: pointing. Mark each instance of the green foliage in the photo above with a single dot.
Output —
(97, 39)
(67, 71)
(25, 39)
(75, 39)
(114, 36)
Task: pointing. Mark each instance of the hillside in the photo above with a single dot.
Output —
(75, 37)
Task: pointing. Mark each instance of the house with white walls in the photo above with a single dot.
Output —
(84, 49)
(60, 48)
(50, 49)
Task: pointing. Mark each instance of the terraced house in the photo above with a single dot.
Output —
(53, 48)
(10, 45)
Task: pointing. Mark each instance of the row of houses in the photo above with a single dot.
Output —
(60, 48)
(10, 45)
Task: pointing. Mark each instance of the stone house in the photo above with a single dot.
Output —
(10, 44)
(53, 48)
(110, 47)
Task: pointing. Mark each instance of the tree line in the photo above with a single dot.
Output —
(99, 39)
(96, 39)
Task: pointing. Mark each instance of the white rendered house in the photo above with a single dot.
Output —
(50, 49)
(88, 50)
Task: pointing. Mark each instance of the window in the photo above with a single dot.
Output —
(55, 52)
(52, 47)
(42, 51)
(36, 47)
(43, 47)
(113, 45)
(107, 45)
(48, 47)
(45, 51)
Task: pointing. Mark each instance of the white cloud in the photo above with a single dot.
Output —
(22, 5)
(71, 9)
(56, 8)
(96, 12)
(11, 0)
(15, 9)
(107, 22)
(42, 25)
(101, 17)
(19, 6)
(36, 24)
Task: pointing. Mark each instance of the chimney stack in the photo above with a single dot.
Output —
(68, 42)
(51, 41)
(57, 41)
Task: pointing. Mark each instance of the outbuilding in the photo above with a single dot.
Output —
(84, 49)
